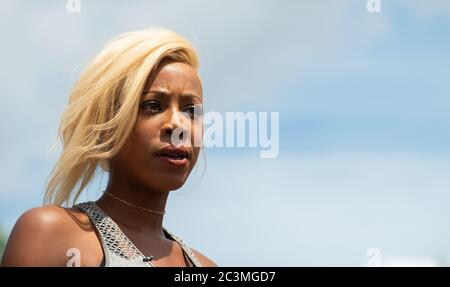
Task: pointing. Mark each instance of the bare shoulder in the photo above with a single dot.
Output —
(205, 261)
(42, 236)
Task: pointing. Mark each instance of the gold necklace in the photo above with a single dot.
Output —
(157, 212)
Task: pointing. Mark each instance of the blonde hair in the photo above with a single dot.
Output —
(103, 105)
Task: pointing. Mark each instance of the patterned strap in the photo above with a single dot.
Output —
(188, 251)
(113, 238)
(117, 242)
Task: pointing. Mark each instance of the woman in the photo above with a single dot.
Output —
(136, 112)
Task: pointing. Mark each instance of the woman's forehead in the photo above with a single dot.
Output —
(176, 77)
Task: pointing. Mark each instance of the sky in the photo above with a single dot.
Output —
(364, 106)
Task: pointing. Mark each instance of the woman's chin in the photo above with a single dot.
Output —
(166, 179)
(169, 183)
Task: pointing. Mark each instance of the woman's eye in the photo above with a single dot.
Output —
(151, 106)
(194, 110)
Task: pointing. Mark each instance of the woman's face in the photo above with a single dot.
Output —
(170, 105)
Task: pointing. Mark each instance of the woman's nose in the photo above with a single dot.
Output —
(174, 123)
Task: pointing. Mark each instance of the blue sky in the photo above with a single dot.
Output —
(364, 118)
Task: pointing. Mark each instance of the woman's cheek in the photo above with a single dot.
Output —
(146, 131)
(197, 135)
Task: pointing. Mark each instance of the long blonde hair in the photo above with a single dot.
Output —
(103, 105)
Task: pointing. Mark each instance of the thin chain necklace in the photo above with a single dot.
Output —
(157, 212)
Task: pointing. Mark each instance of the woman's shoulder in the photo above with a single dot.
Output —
(49, 217)
(205, 261)
(43, 236)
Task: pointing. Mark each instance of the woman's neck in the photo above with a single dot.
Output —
(134, 218)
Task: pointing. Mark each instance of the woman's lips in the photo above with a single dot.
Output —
(177, 156)
(174, 161)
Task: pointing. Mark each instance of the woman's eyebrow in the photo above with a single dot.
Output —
(165, 93)
(187, 95)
